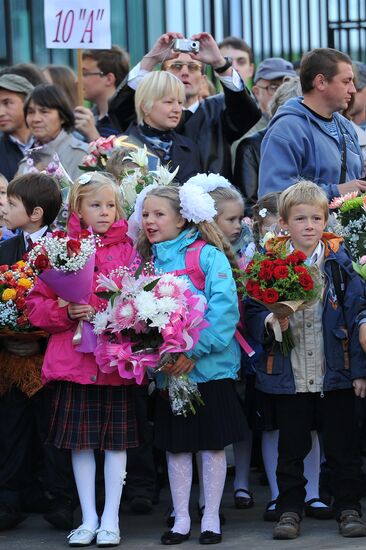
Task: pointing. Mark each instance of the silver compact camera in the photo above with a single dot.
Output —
(186, 45)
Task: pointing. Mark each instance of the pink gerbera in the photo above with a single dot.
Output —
(124, 315)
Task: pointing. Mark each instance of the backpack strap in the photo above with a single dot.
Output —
(193, 267)
(198, 278)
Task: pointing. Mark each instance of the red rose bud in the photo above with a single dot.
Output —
(4, 268)
(280, 272)
(22, 320)
(42, 262)
(251, 284)
(257, 293)
(248, 269)
(59, 234)
(300, 270)
(296, 257)
(84, 234)
(270, 296)
(306, 281)
(279, 261)
(266, 273)
(73, 247)
(20, 303)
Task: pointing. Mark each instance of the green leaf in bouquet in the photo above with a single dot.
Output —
(152, 285)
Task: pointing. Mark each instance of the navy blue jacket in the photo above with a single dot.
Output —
(10, 156)
(338, 375)
(183, 153)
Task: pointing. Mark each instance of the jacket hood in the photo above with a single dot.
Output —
(294, 106)
(331, 243)
(166, 250)
(117, 233)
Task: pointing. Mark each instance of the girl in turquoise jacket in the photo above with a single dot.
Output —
(172, 219)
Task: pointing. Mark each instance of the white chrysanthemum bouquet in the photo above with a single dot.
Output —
(148, 319)
(351, 218)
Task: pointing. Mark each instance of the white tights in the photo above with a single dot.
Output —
(180, 479)
(83, 464)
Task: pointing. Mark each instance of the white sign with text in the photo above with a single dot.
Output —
(84, 24)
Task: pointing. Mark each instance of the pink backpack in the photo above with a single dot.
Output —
(194, 271)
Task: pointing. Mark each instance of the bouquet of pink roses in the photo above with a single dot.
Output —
(66, 265)
(149, 318)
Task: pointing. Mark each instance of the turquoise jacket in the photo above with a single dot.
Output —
(217, 353)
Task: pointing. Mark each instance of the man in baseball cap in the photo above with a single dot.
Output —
(16, 138)
(268, 77)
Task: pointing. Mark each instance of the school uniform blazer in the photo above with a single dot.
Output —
(12, 250)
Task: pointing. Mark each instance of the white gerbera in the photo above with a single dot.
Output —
(146, 305)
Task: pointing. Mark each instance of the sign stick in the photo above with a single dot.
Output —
(80, 77)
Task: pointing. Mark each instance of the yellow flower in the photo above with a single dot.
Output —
(9, 294)
(20, 264)
(26, 283)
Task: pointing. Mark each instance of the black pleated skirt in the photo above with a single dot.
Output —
(217, 423)
(92, 417)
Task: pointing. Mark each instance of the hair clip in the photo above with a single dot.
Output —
(263, 212)
(85, 178)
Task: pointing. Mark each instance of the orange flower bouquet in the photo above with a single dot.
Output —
(16, 281)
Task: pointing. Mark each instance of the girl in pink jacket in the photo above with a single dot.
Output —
(91, 410)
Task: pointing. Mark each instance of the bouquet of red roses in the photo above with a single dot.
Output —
(284, 284)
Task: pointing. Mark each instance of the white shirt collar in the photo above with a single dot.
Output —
(36, 235)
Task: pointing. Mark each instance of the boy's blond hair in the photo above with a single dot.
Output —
(79, 190)
(155, 86)
(303, 192)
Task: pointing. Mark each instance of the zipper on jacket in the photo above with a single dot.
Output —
(325, 295)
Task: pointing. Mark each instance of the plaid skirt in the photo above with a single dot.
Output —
(92, 417)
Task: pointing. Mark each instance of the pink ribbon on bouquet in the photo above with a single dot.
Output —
(119, 356)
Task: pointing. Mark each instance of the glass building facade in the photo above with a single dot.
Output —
(272, 27)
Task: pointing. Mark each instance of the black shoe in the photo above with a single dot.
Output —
(141, 505)
(169, 538)
(323, 512)
(243, 503)
(270, 515)
(10, 517)
(61, 514)
(200, 510)
(209, 537)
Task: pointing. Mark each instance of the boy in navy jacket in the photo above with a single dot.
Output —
(33, 203)
(317, 382)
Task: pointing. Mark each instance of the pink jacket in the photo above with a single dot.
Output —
(62, 361)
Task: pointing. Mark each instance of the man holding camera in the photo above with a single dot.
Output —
(215, 122)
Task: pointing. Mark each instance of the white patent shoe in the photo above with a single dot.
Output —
(81, 536)
(107, 538)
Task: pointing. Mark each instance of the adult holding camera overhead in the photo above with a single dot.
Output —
(215, 122)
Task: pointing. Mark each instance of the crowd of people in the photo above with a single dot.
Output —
(264, 155)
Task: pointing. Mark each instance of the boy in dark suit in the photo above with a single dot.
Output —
(33, 203)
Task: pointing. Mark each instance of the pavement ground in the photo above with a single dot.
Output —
(244, 529)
